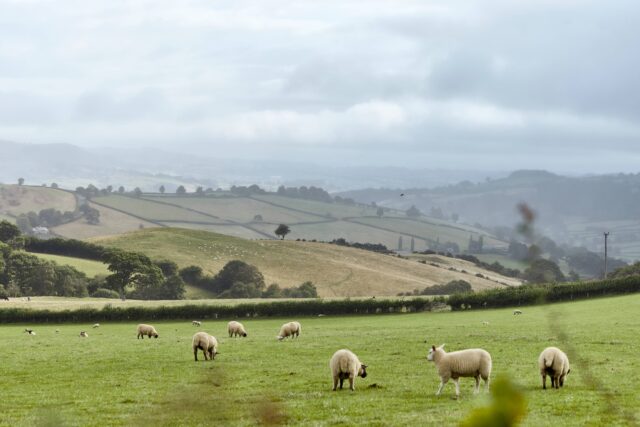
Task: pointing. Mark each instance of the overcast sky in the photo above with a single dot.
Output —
(493, 84)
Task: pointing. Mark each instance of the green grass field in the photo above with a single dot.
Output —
(111, 378)
(88, 267)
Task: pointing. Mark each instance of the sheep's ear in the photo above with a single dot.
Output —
(441, 346)
(433, 347)
(364, 366)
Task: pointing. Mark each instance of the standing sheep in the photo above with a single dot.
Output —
(344, 364)
(517, 312)
(30, 331)
(97, 325)
(196, 323)
(464, 363)
(147, 330)
(555, 363)
(205, 342)
(236, 329)
(291, 329)
(83, 334)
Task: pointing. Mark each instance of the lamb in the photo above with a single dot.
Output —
(83, 334)
(97, 325)
(344, 364)
(517, 312)
(464, 363)
(236, 329)
(291, 329)
(30, 331)
(555, 363)
(196, 323)
(485, 323)
(148, 330)
(205, 342)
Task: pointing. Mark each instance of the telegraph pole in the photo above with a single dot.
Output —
(606, 235)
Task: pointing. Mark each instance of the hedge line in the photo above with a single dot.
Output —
(540, 294)
(190, 312)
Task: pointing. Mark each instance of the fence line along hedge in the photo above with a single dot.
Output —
(190, 312)
(540, 294)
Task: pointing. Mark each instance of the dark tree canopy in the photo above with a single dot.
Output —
(8, 231)
(282, 231)
(543, 271)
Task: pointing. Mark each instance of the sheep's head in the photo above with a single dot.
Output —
(279, 337)
(244, 334)
(155, 335)
(432, 352)
(363, 371)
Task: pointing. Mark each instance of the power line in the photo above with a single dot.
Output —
(606, 235)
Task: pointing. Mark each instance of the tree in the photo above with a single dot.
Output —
(137, 192)
(54, 185)
(258, 218)
(282, 230)
(543, 271)
(131, 269)
(8, 231)
(413, 212)
(455, 217)
(380, 212)
(181, 190)
(200, 191)
(162, 189)
(191, 274)
(169, 268)
(237, 271)
(121, 189)
(20, 181)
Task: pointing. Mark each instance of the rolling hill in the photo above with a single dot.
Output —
(335, 270)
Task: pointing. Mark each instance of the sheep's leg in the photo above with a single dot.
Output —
(477, 389)
(195, 354)
(442, 383)
(486, 383)
(561, 380)
(456, 382)
(335, 383)
(351, 383)
(341, 381)
(553, 381)
(544, 381)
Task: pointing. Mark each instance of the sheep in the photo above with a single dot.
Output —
(236, 329)
(464, 363)
(555, 363)
(344, 364)
(30, 331)
(148, 330)
(291, 329)
(517, 312)
(486, 323)
(196, 323)
(205, 342)
(83, 334)
(97, 325)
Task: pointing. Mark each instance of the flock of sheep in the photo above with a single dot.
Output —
(344, 364)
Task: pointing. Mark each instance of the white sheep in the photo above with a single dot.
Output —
(147, 330)
(555, 363)
(517, 312)
(485, 323)
(205, 342)
(464, 363)
(291, 329)
(83, 334)
(346, 365)
(97, 325)
(196, 323)
(30, 331)
(236, 329)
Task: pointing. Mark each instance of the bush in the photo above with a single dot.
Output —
(105, 293)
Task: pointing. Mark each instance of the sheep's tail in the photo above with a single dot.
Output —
(548, 362)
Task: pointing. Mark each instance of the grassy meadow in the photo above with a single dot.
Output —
(337, 271)
(111, 378)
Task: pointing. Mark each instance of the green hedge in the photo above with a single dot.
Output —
(540, 294)
(190, 312)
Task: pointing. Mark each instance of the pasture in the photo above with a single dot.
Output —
(111, 378)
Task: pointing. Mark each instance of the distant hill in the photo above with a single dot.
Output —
(336, 270)
(572, 210)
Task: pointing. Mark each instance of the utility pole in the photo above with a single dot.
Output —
(606, 235)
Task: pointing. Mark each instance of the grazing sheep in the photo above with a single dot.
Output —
(464, 363)
(205, 342)
(83, 334)
(291, 329)
(517, 312)
(97, 325)
(4, 297)
(345, 365)
(486, 323)
(30, 331)
(57, 331)
(236, 329)
(148, 330)
(196, 323)
(555, 363)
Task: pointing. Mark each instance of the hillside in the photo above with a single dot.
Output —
(335, 270)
